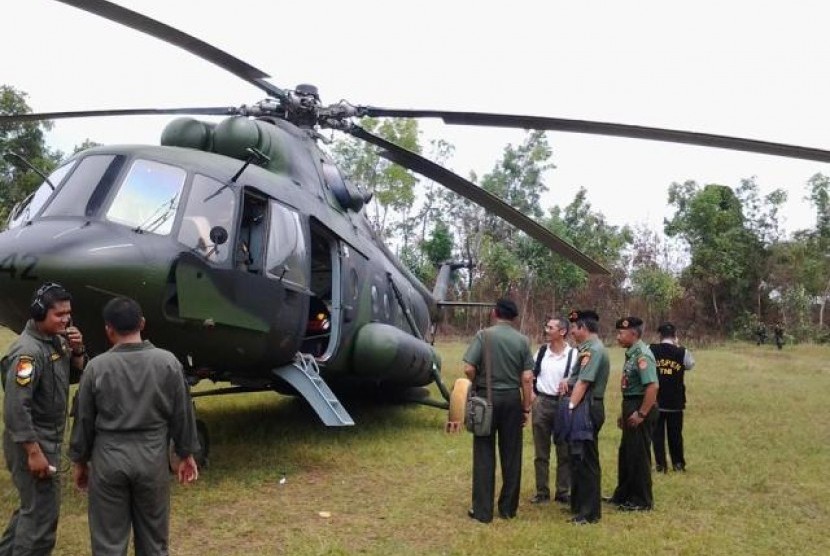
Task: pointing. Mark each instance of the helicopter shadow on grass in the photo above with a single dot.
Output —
(255, 430)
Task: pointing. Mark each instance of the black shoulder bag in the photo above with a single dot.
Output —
(478, 419)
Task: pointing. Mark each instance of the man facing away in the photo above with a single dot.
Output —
(673, 360)
(553, 362)
(507, 353)
(37, 370)
(132, 401)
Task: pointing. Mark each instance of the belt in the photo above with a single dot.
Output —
(548, 396)
(632, 396)
(598, 399)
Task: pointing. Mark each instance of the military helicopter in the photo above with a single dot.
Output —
(249, 251)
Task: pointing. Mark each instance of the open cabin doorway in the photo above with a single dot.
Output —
(323, 328)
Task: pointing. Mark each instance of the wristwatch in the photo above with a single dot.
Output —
(641, 414)
(79, 352)
(571, 406)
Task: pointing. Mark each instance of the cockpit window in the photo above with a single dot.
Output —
(148, 197)
(29, 207)
(72, 197)
(209, 205)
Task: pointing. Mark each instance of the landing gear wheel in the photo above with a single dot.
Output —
(458, 404)
(204, 441)
(201, 457)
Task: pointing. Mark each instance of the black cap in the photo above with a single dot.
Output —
(507, 308)
(627, 323)
(667, 330)
(575, 315)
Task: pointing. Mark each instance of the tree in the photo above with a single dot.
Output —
(392, 186)
(27, 140)
(726, 254)
(658, 288)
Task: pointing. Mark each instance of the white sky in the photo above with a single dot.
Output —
(755, 69)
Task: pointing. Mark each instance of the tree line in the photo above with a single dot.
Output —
(737, 268)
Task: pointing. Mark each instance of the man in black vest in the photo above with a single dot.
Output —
(673, 361)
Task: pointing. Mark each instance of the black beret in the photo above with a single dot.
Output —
(507, 308)
(667, 330)
(574, 316)
(628, 323)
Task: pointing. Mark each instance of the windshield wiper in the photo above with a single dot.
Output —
(32, 167)
(153, 222)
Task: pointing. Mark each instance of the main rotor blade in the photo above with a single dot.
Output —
(215, 111)
(606, 128)
(481, 197)
(159, 30)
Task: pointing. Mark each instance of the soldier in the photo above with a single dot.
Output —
(553, 362)
(37, 370)
(778, 332)
(673, 361)
(511, 378)
(586, 384)
(132, 400)
(761, 333)
(637, 419)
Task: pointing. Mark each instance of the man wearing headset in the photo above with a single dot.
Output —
(37, 370)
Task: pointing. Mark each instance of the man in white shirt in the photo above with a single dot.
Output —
(553, 362)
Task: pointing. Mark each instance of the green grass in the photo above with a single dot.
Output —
(757, 438)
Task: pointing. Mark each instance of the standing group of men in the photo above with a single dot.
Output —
(563, 390)
(132, 401)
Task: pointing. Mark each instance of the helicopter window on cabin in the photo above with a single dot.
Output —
(209, 205)
(149, 197)
(72, 197)
(29, 207)
(287, 252)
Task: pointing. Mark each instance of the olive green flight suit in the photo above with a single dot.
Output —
(132, 401)
(634, 457)
(36, 376)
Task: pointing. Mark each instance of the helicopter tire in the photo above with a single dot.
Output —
(204, 441)
(201, 457)
(458, 400)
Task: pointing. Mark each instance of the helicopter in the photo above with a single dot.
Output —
(249, 250)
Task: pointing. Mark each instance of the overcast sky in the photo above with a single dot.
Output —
(746, 68)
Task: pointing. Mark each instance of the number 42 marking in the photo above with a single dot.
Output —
(27, 264)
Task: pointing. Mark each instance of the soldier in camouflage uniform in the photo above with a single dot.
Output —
(637, 419)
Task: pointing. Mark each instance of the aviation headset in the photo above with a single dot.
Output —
(38, 308)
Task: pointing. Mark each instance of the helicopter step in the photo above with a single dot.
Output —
(304, 375)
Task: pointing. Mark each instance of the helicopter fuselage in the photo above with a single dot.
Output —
(235, 276)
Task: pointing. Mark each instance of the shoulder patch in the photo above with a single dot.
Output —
(642, 363)
(585, 357)
(24, 369)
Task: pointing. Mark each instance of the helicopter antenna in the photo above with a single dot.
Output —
(254, 155)
(32, 167)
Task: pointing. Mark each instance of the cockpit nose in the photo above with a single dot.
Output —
(94, 260)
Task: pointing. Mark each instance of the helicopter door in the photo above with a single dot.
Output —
(252, 238)
(323, 326)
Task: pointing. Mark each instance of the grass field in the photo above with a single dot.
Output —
(758, 450)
